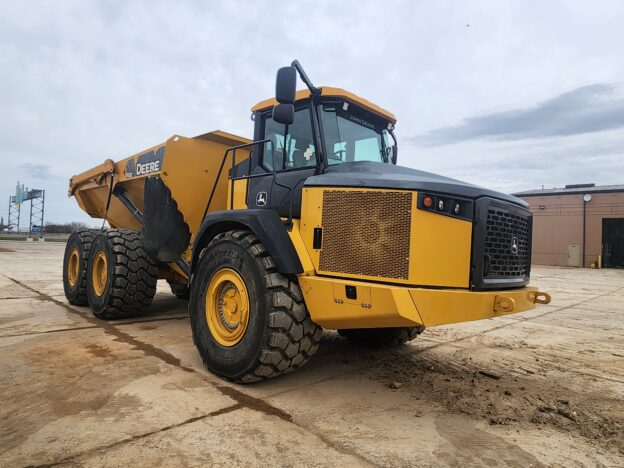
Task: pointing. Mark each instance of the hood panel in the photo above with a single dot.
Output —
(367, 174)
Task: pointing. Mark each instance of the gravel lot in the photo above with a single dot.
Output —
(541, 388)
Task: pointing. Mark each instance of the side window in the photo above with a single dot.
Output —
(295, 150)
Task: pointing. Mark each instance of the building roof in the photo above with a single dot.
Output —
(334, 92)
(571, 190)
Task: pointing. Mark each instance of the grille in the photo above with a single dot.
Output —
(366, 233)
(503, 230)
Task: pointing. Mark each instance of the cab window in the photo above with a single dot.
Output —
(351, 135)
(293, 150)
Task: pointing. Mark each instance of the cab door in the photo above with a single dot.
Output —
(291, 153)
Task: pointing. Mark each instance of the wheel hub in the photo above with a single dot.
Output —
(227, 307)
(99, 273)
(73, 267)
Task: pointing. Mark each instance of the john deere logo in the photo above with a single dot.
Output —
(514, 245)
(261, 199)
(146, 163)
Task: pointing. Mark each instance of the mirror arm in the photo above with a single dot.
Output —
(304, 77)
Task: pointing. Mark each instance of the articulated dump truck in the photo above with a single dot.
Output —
(311, 225)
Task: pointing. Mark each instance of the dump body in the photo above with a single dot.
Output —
(188, 168)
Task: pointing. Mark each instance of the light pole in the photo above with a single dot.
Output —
(586, 199)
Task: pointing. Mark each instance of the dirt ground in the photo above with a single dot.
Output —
(543, 388)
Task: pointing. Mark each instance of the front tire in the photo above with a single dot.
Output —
(381, 337)
(249, 321)
(121, 278)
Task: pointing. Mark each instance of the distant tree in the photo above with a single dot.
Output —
(2, 225)
(67, 228)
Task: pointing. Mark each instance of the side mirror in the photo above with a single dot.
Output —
(286, 85)
(284, 113)
(395, 154)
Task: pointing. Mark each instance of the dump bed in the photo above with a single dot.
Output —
(179, 175)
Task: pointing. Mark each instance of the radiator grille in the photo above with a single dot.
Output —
(507, 242)
(366, 233)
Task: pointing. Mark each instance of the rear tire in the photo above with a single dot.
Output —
(271, 334)
(121, 278)
(75, 266)
(181, 291)
(381, 337)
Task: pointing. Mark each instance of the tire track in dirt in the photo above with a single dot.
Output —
(88, 327)
(503, 398)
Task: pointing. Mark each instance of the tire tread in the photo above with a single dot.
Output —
(293, 338)
(86, 238)
(134, 278)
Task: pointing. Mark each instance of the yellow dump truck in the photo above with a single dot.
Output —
(312, 224)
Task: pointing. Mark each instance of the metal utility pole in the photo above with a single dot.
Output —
(13, 221)
(37, 204)
(37, 209)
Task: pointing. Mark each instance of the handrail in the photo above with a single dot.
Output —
(274, 172)
(225, 155)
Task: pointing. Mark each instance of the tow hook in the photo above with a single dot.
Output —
(539, 297)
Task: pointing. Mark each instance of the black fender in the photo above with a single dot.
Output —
(265, 224)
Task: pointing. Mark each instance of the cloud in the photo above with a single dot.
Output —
(513, 166)
(71, 99)
(37, 171)
(586, 109)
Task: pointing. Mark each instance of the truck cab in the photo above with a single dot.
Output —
(330, 127)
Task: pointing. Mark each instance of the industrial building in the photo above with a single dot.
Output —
(578, 225)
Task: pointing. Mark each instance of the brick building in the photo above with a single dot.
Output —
(573, 226)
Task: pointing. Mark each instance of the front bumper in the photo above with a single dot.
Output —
(332, 305)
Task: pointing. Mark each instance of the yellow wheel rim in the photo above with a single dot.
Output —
(227, 307)
(73, 267)
(99, 273)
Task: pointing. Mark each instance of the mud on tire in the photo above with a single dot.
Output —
(75, 259)
(131, 275)
(381, 337)
(280, 336)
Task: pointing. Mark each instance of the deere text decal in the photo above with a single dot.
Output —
(146, 163)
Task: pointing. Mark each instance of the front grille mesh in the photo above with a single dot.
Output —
(366, 233)
(502, 228)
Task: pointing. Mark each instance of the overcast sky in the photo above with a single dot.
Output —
(510, 95)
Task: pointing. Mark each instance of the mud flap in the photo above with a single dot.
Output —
(164, 235)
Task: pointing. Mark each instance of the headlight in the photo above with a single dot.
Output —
(446, 205)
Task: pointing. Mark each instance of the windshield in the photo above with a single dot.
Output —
(351, 135)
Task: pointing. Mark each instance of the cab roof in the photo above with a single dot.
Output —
(333, 92)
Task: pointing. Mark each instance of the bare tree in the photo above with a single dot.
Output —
(67, 228)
